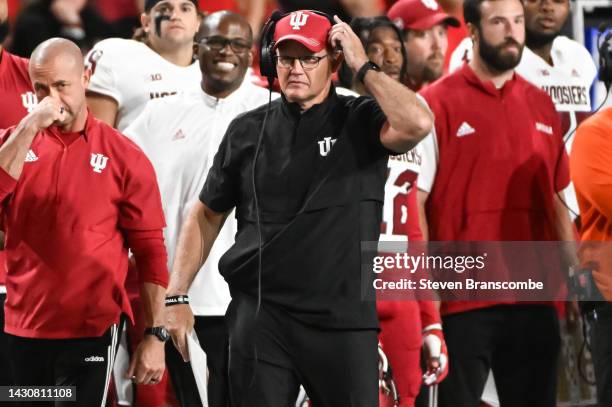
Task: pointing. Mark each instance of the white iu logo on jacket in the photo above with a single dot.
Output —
(325, 145)
(98, 162)
(297, 20)
(29, 101)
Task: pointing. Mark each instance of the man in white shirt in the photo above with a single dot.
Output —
(180, 135)
(562, 67)
(126, 74)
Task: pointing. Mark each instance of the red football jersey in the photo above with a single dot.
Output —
(495, 178)
(16, 98)
(16, 93)
(113, 10)
(66, 219)
(13, 8)
(402, 322)
(455, 36)
(210, 6)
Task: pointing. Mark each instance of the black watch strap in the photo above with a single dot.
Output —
(361, 73)
(159, 331)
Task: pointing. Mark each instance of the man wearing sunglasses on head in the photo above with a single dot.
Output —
(314, 190)
(180, 135)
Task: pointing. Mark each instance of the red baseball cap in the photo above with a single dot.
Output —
(308, 28)
(419, 15)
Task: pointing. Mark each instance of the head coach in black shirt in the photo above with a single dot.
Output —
(307, 172)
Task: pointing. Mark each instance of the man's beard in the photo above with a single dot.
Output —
(432, 73)
(493, 57)
(536, 39)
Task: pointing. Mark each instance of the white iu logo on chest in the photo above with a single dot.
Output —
(98, 162)
(297, 20)
(29, 101)
(326, 145)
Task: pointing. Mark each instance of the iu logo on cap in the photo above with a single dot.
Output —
(298, 20)
(98, 162)
(431, 4)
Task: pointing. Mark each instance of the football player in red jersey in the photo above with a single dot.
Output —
(15, 87)
(407, 327)
(16, 99)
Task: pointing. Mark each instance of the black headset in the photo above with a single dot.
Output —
(267, 65)
(605, 57)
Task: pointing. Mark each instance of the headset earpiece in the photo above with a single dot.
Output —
(267, 66)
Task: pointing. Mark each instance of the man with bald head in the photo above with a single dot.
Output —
(76, 194)
(181, 134)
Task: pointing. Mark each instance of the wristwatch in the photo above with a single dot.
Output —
(159, 331)
(361, 73)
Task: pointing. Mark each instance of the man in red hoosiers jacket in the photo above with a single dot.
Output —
(485, 135)
(76, 195)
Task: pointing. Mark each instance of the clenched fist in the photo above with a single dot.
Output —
(48, 112)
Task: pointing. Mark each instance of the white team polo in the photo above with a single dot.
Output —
(180, 135)
(132, 74)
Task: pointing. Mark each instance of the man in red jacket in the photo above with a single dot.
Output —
(76, 194)
(425, 29)
(498, 165)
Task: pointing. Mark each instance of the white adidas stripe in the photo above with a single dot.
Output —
(110, 354)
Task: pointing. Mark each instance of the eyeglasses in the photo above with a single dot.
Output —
(308, 62)
(218, 43)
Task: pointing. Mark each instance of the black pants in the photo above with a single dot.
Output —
(272, 356)
(520, 343)
(213, 337)
(601, 348)
(84, 362)
(5, 371)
